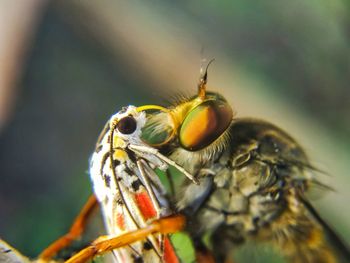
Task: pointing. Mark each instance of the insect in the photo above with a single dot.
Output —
(131, 196)
(253, 177)
(10, 255)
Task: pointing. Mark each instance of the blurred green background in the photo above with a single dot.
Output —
(287, 62)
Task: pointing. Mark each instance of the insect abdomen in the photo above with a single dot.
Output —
(301, 240)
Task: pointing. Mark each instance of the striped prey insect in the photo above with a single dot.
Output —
(133, 201)
(254, 179)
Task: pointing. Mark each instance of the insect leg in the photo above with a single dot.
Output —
(146, 149)
(165, 225)
(172, 185)
(148, 186)
(75, 231)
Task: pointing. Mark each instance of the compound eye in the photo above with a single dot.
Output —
(204, 124)
(126, 125)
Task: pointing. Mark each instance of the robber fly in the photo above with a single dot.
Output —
(253, 180)
(132, 199)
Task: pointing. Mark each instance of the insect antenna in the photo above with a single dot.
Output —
(203, 81)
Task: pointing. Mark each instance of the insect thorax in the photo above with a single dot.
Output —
(247, 186)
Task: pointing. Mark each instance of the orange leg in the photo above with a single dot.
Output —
(165, 225)
(75, 231)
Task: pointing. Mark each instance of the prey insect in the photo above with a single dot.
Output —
(254, 179)
(133, 201)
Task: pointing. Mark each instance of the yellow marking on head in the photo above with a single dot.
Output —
(151, 107)
(120, 155)
(118, 142)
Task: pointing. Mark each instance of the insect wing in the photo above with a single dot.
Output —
(334, 242)
(10, 255)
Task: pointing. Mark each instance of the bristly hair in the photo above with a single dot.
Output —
(178, 98)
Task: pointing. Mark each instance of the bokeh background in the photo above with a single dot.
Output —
(66, 66)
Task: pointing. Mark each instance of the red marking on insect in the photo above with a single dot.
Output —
(169, 252)
(120, 221)
(146, 206)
